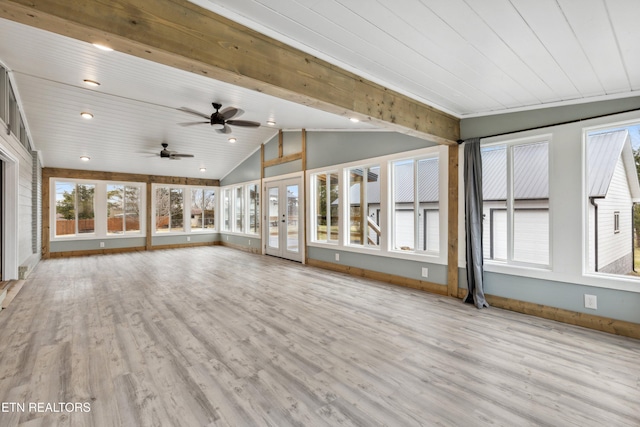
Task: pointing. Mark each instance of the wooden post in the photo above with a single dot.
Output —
(452, 256)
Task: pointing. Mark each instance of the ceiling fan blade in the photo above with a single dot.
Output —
(225, 129)
(181, 155)
(192, 123)
(243, 123)
(197, 113)
(230, 112)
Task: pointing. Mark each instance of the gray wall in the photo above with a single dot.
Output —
(514, 122)
(331, 148)
(249, 170)
(396, 266)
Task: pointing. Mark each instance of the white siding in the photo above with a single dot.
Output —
(613, 246)
(531, 235)
(404, 237)
(25, 192)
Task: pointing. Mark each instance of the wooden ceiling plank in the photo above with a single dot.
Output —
(183, 35)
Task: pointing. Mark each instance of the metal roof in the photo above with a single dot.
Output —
(531, 180)
(603, 152)
(428, 173)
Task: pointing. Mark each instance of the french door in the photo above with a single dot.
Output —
(284, 218)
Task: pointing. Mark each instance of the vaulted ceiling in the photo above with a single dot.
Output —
(465, 58)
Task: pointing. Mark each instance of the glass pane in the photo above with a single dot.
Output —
(226, 210)
(403, 202)
(115, 209)
(429, 198)
(334, 218)
(239, 209)
(273, 217)
(320, 208)
(13, 111)
(132, 209)
(356, 197)
(197, 199)
(209, 209)
(86, 208)
(254, 209)
(530, 203)
(292, 218)
(494, 195)
(3, 94)
(65, 208)
(176, 209)
(373, 207)
(162, 210)
(497, 235)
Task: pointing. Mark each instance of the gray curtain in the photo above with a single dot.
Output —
(473, 222)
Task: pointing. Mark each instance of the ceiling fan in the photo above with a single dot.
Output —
(220, 119)
(166, 154)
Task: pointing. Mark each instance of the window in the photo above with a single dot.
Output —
(613, 220)
(123, 209)
(3, 94)
(226, 210)
(326, 208)
(515, 186)
(203, 202)
(96, 209)
(239, 210)
(254, 208)
(416, 205)
(74, 209)
(364, 206)
(169, 207)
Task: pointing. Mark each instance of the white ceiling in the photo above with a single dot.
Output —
(468, 58)
(465, 57)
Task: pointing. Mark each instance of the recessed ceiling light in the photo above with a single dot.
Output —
(232, 140)
(354, 119)
(271, 123)
(203, 169)
(103, 47)
(85, 158)
(91, 82)
(86, 115)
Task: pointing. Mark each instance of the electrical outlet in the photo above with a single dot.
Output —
(249, 242)
(591, 301)
(425, 272)
(337, 257)
(227, 238)
(102, 244)
(188, 238)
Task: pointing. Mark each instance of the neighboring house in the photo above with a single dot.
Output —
(613, 188)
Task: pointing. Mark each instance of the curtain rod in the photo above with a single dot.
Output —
(460, 141)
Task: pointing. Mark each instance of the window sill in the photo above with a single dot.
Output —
(96, 237)
(376, 251)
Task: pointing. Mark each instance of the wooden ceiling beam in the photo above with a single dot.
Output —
(183, 35)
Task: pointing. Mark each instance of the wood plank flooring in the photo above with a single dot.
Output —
(212, 336)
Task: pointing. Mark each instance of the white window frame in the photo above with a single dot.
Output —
(416, 205)
(216, 214)
(100, 210)
(233, 197)
(510, 145)
(313, 208)
(347, 205)
(385, 163)
(186, 210)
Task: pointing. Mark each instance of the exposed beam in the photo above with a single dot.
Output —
(183, 35)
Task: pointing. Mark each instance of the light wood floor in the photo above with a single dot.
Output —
(215, 336)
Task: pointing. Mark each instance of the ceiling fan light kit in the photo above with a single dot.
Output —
(220, 120)
(172, 155)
